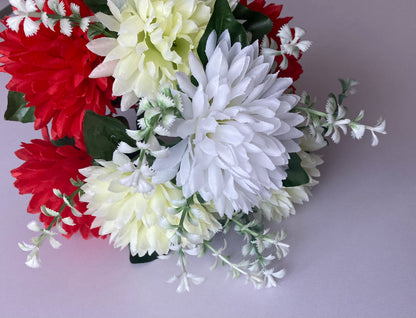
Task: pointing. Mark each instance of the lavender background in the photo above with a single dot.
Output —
(353, 244)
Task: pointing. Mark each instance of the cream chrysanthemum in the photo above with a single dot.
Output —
(153, 43)
(134, 218)
(281, 203)
(237, 128)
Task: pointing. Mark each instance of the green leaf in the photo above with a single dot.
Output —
(296, 176)
(66, 141)
(143, 259)
(255, 22)
(98, 6)
(17, 110)
(102, 134)
(222, 19)
(92, 32)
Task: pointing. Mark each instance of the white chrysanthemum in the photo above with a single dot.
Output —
(281, 203)
(237, 128)
(153, 43)
(134, 218)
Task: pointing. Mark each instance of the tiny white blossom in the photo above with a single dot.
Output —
(68, 221)
(32, 259)
(379, 128)
(54, 243)
(293, 45)
(84, 24)
(66, 27)
(34, 226)
(22, 13)
(57, 7)
(336, 120)
(357, 130)
(75, 9)
(26, 247)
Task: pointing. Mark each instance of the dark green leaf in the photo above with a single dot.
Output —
(123, 120)
(255, 22)
(98, 6)
(143, 259)
(296, 176)
(168, 141)
(17, 110)
(222, 19)
(102, 134)
(92, 32)
(66, 141)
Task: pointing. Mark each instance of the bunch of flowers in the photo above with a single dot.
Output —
(217, 139)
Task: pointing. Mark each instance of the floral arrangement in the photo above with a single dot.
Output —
(166, 124)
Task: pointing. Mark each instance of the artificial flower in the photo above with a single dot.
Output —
(135, 218)
(52, 70)
(153, 43)
(292, 67)
(49, 167)
(237, 129)
(281, 203)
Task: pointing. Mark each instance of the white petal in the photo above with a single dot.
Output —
(128, 100)
(14, 22)
(66, 27)
(30, 27)
(54, 243)
(104, 69)
(68, 220)
(109, 21)
(34, 226)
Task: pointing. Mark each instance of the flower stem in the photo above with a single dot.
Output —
(61, 209)
(310, 111)
(224, 259)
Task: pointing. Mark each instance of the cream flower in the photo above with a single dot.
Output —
(237, 128)
(134, 218)
(281, 203)
(153, 43)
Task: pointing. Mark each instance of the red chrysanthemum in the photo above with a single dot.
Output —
(47, 167)
(52, 70)
(272, 11)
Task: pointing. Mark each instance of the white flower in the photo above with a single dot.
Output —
(380, 128)
(336, 121)
(22, 13)
(281, 203)
(237, 128)
(134, 218)
(289, 45)
(292, 45)
(154, 40)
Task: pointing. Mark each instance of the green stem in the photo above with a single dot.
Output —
(61, 209)
(260, 257)
(56, 218)
(251, 232)
(224, 259)
(310, 111)
(77, 20)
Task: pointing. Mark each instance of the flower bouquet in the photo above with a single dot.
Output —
(166, 124)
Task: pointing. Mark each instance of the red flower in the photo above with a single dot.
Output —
(47, 167)
(52, 70)
(272, 11)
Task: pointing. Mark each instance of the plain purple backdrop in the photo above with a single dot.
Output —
(352, 246)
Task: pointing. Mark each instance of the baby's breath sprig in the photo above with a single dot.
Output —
(180, 233)
(156, 116)
(33, 259)
(290, 45)
(256, 263)
(32, 14)
(333, 120)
